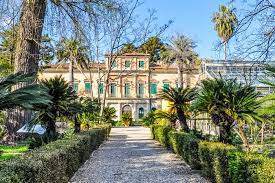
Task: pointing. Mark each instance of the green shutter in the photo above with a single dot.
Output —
(76, 87)
(141, 64)
(127, 64)
(166, 86)
(127, 89)
(113, 64)
(113, 89)
(140, 89)
(100, 88)
(153, 88)
(88, 87)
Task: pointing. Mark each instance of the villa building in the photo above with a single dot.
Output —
(134, 83)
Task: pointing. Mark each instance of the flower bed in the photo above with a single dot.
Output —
(54, 162)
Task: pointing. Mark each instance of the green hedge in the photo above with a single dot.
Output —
(186, 145)
(160, 133)
(214, 160)
(54, 162)
(220, 162)
(251, 167)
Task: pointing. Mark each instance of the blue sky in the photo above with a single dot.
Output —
(192, 18)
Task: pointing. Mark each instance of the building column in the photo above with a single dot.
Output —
(135, 85)
(134, 112)
(120, 84)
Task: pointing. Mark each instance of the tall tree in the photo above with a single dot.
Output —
(180, 99)
(179, 50)
(225, 22)
(255, 33)
(153, 46)
(26, 97)
(31, 24)
(128, 48)
(7, 51)
(73, 52)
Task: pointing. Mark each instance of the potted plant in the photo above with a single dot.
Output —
(126, 119)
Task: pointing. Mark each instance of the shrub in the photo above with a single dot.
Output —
(186, 145)
(160, 133)
(54, 162)
(214, 160)
(251, 167)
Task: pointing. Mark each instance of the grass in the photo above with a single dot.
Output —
(9, 152)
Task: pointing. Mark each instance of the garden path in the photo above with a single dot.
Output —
(130, 155)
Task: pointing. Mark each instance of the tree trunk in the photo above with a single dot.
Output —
(182, 120)
(225, 52)
(51, 129)
(180, 75)
(71, 74)
(104, 94)
(225, 133)
(26, 54)
(76, 125)
(244, 138)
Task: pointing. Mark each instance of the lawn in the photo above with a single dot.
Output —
(9, 152)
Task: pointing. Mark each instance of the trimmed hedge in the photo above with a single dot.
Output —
(214, 160)
(220, 162)
(54, 162)
(160, 133)
(251, 167)
(186, 145)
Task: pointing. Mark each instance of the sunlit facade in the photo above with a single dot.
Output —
(134, 84)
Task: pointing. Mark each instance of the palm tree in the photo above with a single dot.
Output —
(62, 97)
(180, 99)
(26, 97)
(229, 104)
(179, 50)
(72, 51)
(225, 21)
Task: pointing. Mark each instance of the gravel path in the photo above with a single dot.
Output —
(130, 155)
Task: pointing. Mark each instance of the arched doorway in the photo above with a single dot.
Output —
(126, 109)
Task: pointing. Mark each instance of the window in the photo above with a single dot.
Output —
(75, 87)
(140, 89)
(166, 86)
(100, 88)
(127, 64)
(153, 88)
(127, 89)
(140, 112)
(113, 90)
(141, 64)
(113, 64)
(88, 87)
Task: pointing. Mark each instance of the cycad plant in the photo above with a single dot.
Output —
(180, 99)
(170, 116)
(109, 115)
(229, 104)
(62, 96)
(26, 97)
(269, 100)
(225, 22)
